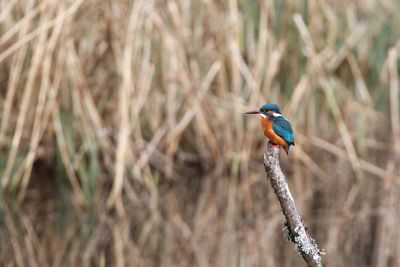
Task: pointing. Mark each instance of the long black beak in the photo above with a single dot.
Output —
(252, 112)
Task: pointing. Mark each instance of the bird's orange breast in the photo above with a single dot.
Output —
(267, 124)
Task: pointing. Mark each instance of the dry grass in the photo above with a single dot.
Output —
(122, 140)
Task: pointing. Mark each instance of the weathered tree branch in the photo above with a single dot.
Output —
(293, 228)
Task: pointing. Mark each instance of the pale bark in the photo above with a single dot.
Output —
(294, 229)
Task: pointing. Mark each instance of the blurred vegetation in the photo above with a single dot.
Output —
(122, 139)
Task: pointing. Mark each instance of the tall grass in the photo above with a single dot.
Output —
(122, 139)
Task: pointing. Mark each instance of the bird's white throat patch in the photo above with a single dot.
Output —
(274, 114)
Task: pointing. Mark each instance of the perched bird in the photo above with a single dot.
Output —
(275, 126)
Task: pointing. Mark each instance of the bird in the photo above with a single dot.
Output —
(276, 127)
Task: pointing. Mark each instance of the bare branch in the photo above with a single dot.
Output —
(294, 229)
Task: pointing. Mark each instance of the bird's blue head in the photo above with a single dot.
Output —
(270, 107)
(268, 110)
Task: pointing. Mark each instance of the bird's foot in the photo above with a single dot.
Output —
(273, 144)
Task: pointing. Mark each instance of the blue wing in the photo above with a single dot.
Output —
(283, 128)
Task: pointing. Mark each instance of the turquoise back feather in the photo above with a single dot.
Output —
(283, 128)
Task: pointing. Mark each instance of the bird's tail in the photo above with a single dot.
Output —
(287, 148)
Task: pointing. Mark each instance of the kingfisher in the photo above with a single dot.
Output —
(276, 127)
